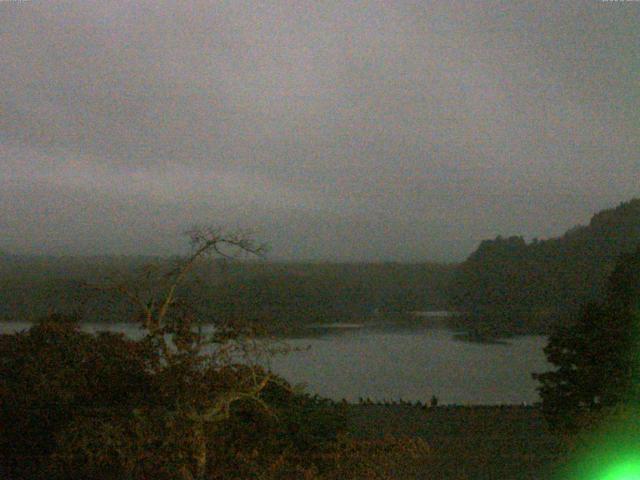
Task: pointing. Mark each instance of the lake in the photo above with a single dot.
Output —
(386, 362)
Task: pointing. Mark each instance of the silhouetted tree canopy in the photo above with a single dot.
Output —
(508, 285)
(598, 355)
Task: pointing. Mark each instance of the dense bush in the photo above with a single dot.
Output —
(54, 372)
(76, 405)
(83, 406)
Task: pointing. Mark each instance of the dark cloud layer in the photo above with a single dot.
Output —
(339, 130)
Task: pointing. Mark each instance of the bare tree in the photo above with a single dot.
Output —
(174, 331)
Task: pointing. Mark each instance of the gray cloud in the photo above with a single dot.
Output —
(343, 130)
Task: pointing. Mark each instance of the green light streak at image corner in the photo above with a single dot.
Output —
(625, 470)
(627, 467)
(612, 457)
(598, 467)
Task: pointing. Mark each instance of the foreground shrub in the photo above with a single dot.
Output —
(140, 445)
(347, 459)
(387, 458)
(77, 405)
(175, 405)
(54, 372)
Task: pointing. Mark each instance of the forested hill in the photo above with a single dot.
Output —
(510, 285)
(280, 294)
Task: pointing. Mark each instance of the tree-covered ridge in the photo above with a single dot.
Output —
(275, 294)
(510, 285)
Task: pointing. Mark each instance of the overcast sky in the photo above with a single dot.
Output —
(405, 130)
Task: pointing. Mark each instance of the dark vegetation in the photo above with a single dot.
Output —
(597, 355)
(509, 286)
(176, 404)
(498, 442)
(75, 405)
(592, 397)
(278, 295)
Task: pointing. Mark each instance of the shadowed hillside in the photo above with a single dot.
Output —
(510, 286)
(272, 294)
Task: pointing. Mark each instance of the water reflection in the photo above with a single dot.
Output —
(413, 363)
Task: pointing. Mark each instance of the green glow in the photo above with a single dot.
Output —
(609, 450)
(629, 470)
(595, 465)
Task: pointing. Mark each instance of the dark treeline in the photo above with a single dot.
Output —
(275, 294)
(507, 286)
(596, 354)
(510, 286)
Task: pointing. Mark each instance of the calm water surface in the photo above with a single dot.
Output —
(409, 363)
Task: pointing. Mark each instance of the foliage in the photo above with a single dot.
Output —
(53, 372)
(379, 459)
(346, 458)
(153, 443)
(82, 406)
(510, 286)
(598, 355)
(175, 404)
